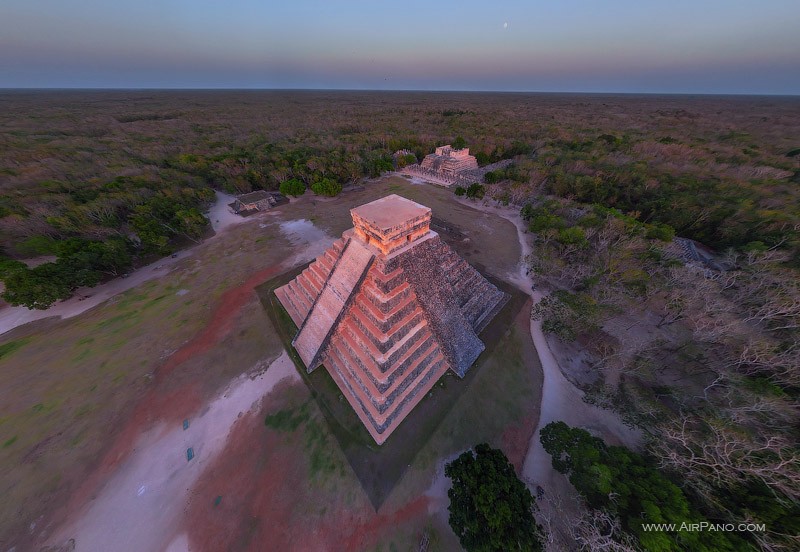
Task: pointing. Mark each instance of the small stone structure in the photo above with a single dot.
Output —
(254, 202)
(388, 309)
(446, 166)
(449, 161)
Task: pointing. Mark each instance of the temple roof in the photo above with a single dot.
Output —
(390, 212)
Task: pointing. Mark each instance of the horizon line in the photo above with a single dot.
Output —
(417, 90)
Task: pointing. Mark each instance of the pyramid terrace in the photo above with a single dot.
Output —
(388, 310)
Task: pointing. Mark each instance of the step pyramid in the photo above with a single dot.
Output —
(388, 309)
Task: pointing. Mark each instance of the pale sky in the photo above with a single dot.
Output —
(680, 46)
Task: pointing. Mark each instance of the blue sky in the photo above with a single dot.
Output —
(700, 46)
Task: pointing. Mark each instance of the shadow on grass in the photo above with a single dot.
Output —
(379, 468)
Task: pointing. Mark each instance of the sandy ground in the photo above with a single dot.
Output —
(303, 231)
(141, 504)
(221, 216)
(11, 317)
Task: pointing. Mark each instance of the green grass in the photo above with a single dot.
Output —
(82, 355)
(321, 459)
(7, 349)
(131, 317)
(288, 419)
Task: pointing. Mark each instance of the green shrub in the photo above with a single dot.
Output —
(476, 191)
(293, 187)
(572, 236)
(326, 187)
(663, 232)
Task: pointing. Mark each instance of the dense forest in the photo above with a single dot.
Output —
(702, 357)
(95, 182)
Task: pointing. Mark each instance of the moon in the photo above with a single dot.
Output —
(505, 25)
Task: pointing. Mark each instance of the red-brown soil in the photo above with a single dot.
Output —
(516, 440)
(221, 322)
(167, 400)
(263, 480)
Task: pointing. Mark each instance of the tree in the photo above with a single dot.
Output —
(376, 166)
(482, 158)
(663, 232)
(191, 222)
(37, 288)
(476, 191)
(405, 160)
(572, 236)
(459, 143)
(567, 314)
(7, 266)
(80, 263)
(326, 187)
(460, 191)
(490, 508)
(293, 187)
(624, 484)
(108, 257)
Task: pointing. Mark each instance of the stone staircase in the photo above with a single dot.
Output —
(299, 295)
(331, 302)
(383, 352)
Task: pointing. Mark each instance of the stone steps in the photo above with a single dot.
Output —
(351, 269)
(383, 390)
(381, 342)
(385, 319)
(378, 422)
(480, 305)
(383, 371)
(286, 300)
(306, 287)
(299, 298)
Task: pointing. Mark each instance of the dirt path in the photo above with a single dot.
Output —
(141, 504)
(561, 400)
(11, 317)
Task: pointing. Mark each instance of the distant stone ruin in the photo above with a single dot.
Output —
(446, 166)
(449, 161)
(452, 167)
(254, 202)
(388, 309)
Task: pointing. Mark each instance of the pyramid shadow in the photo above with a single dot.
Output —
(380, 467)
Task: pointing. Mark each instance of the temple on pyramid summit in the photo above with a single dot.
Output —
(388, 309)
